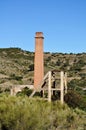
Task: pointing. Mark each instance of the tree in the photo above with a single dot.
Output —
(31, 67)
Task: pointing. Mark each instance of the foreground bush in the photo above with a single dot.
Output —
(22, 113)
(74, 100)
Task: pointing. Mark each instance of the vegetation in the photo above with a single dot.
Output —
(22, 113)
(75, 100)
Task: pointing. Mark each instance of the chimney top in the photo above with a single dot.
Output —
(39, 35)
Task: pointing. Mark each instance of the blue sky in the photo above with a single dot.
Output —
(63, 23)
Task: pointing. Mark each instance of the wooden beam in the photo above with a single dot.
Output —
(49, 86)
(65, 82)
(62, 87)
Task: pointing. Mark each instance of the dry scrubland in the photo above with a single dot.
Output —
(22, 113)
(17, 66)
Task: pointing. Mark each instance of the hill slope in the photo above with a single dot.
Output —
(17, 66)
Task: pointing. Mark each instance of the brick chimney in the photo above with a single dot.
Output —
(38, 61)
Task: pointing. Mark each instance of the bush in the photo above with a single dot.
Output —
(15, 77)
(31, 67)
(22, 113)
(25, 91)
(75, 100)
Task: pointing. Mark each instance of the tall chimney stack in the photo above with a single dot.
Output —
(38, 63)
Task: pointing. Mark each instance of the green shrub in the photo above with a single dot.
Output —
(75, 100)
(22, 113)
(25, 91)
(31, 67)
(15, 77)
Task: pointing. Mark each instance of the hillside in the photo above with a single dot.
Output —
(17, 67)
(14, 61)
(14, 66)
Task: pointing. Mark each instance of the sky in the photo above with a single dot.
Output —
(63, 23)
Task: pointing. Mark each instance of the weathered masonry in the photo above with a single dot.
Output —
(38, 61)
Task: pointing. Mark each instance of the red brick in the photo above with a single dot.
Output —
(38, 60)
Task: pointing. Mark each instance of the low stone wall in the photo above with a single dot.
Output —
(18, 88)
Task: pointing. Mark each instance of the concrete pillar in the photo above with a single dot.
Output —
(65, 82)
(49, 86)
(62, 87)
(38, 61)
